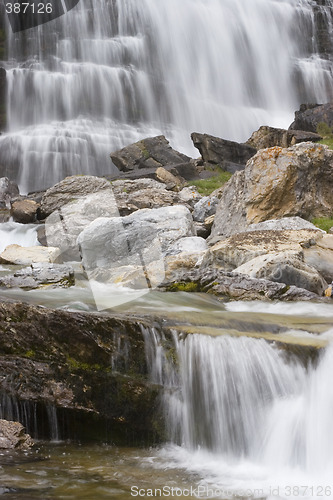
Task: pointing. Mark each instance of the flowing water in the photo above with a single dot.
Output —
(110, 72)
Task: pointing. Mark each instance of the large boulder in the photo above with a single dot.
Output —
(268, 137)
(309, 116)
(68, 190)
(277, 182)
(229, 155)
(13, 437)
(150, 153)
(141, 239)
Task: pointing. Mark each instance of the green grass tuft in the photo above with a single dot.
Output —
(206, 186)
(324, 223)
(326, 132)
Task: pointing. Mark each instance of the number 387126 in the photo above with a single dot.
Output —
(28, 8)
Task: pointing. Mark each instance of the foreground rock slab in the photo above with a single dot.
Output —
(15, 254)
(12, 436)
(40, 276)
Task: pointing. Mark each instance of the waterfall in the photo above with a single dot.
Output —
(239, 403)
(110, 72)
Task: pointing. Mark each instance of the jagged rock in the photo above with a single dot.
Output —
(227, 285)
(234, 251)
(24, 211)
(40, 276)
(12, 436)
(15, 254)
(229, 155)
(8, 192)
(152, 152)
(68, 190)
(137, 239)
(297, 181)
(189, 196)
(169, 179)
(286, 268)
(205, 208)
(310, 115)
(268, 137)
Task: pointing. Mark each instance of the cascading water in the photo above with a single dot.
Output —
(245, 415)
(110, 72)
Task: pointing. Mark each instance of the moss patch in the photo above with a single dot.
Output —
(206, 186)
(326, 132)
(184, 287)
(324, 223)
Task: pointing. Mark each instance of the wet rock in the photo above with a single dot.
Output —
(268, 137)
(24, 211)
(15, 254)
(151, 153)
(320, 255)
(284, 268)
(205, 208)
(229, 155)
(309, 116)
(68, 190)
(91, 366)
(297, 181)
(12, 436)
(40, 276)
(227, 285)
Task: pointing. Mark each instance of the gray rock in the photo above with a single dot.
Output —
(68, 190)
(190, 244)
(152, 152)
(16, 254)
(284, 268)
(234, 286)
(137, 239)
(227, 154)
(268, 137)
(205, 208)
(286, 223)
(40, 276)
(12, 436)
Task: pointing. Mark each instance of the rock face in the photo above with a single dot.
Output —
(15, 254)
(24, 211)
(68, 190)
(150, 153)
(229, 155)
(91, 367)
(297, 181)
(8, 191)
(310, 115)
(268, 137)
(12, 436)
(40, 276)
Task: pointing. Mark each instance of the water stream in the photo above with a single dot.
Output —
(110, 72)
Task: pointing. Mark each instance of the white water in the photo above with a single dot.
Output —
(244, 417)
(107, 74)
(13, 233)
